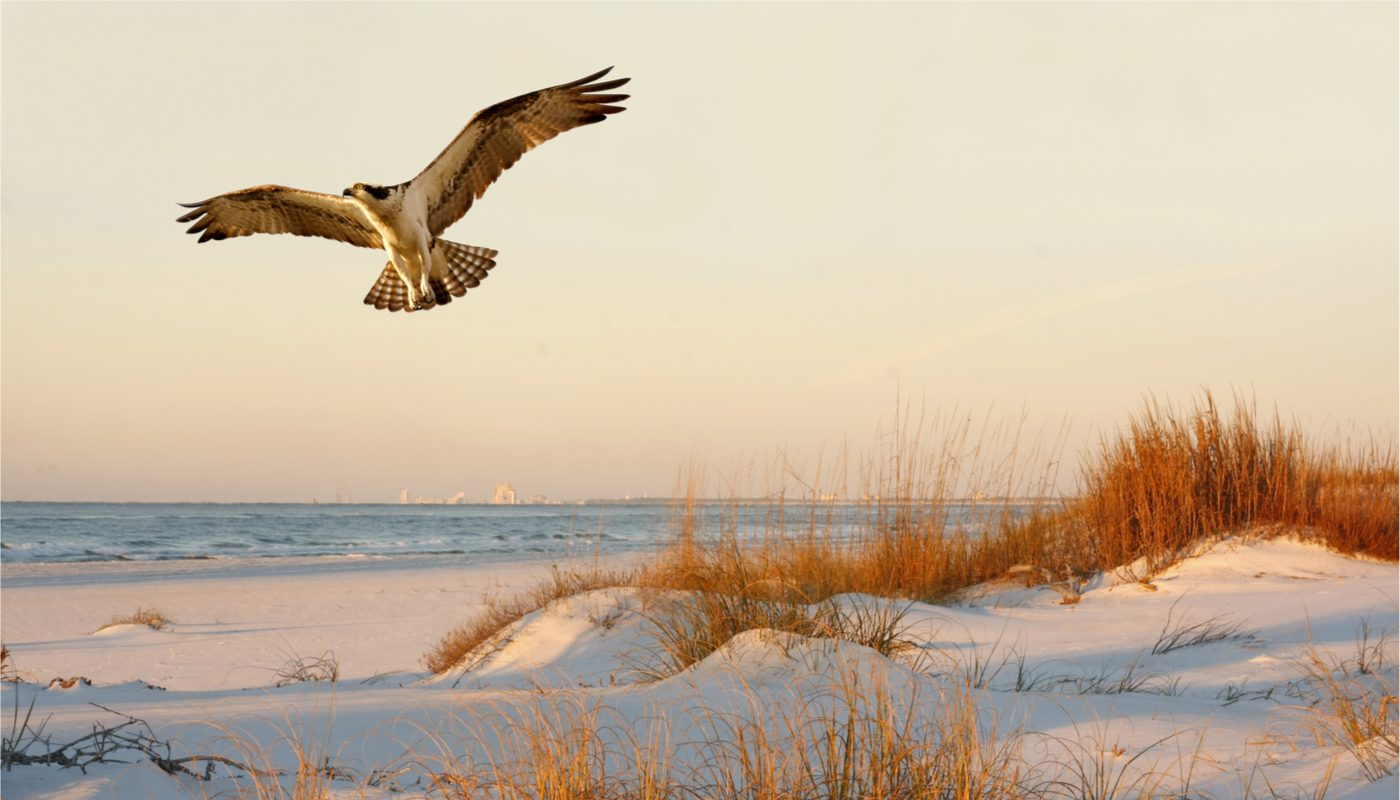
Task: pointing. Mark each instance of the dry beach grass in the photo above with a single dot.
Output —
(852, 736)
(1176, 480)
(150, 617)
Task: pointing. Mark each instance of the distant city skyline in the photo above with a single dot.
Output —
(1028, 215)
(502, 494)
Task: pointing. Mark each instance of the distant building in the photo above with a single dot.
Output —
(504, 495)
(403, 497)
(457, 499)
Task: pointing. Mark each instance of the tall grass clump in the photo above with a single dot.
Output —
(941, 505)
(1178, 478)
(1354, 500)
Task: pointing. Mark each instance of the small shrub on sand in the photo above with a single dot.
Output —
(149, 617)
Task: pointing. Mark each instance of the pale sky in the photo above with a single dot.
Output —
(807, 213)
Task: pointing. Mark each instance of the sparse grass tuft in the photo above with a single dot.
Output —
(1218, 628)
(306, 742)
(555, 747)
(1354, 703)
(983, 671)
(303, 669)
(861, 739)
(688, 627)
(1131, 679)
(1092, 768)
(461, 642)
(149, 617)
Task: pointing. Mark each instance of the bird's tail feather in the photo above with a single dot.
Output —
(389, 292)
(455, 269)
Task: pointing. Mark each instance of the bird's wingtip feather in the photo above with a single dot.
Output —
(595, 76)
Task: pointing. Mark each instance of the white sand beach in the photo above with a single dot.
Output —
(1074, 692)
(237, 622)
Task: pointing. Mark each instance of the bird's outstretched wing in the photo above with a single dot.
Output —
(281, 209)
(498, 136)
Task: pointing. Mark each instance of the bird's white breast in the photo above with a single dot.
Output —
(400, 218)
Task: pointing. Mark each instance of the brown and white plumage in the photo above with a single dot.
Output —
(281, 209)
(456, 268)
(407, 219)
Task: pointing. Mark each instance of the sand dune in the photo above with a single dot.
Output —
(1067, 691)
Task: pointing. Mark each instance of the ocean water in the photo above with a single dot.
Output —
(39, 533)
(97, 532)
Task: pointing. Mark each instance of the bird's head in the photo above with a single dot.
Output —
(365, 190)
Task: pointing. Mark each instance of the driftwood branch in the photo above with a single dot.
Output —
(26, 743)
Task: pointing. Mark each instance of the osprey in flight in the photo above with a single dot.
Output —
(406, 219)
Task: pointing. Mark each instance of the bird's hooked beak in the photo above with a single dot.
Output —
(345, 193)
